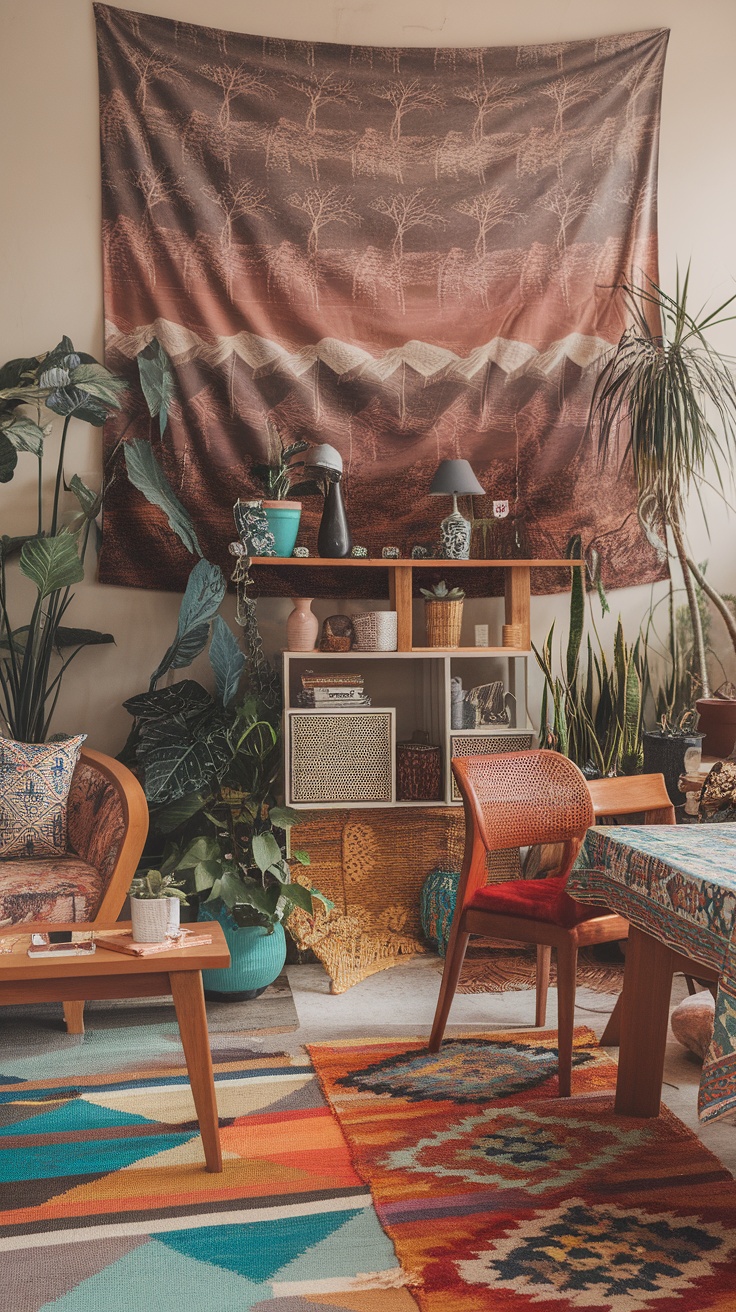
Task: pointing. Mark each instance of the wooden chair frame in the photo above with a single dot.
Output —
(609, 798)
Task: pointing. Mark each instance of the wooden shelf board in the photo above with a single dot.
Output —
(427, 652)
(372, 562)
(470, 651)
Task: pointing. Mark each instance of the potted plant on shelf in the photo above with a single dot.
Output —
(155, 902)
(278, 477)
(36, 649)
(443, 610)
(666, 387)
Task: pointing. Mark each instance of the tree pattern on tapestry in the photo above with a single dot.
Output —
(409, 253)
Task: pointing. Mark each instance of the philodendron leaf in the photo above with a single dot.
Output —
(158, 382)
(65, 637)
(183, 699)
(301, 856)
(8, 458)
(77, 401)
(266, 851)
(146, 474)
(227, 660)
(177, 761)
(100, 383)
(283, 817)
(201, 601)
(91, 502)
(23, 433)
(170, 817)
(200, 849)
(52, 563)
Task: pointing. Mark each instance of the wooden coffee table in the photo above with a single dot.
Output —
(107, 974)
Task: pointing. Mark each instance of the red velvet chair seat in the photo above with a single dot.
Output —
(534, 899)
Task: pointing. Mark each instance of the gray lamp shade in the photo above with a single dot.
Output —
(455, 478)
(324, 456)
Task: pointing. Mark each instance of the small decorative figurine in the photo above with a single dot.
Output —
(251, 521)
(300, 552)
(390, 553)
(359, 552)
(420, 552)
(338, 633)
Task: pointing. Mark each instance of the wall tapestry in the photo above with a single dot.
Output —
(411, 254)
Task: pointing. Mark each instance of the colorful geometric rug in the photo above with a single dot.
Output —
(105, 1203)
(499, 1197)
(496, 970)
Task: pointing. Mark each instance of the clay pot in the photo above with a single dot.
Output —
(717, 722)
(302, 626)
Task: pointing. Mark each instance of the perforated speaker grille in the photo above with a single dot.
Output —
(342, 757)
(486, 745)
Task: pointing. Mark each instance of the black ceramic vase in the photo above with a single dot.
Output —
(334, 538)
(665, 754)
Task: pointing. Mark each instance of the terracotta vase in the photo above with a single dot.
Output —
(302, 626)
(717, 722)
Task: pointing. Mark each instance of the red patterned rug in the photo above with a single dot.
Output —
(500, 1197)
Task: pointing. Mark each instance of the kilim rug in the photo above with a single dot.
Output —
(105, 1203)
(499, 1196)
(493, 970)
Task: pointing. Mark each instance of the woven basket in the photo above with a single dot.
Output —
(418, 772)
(376, 630)
(444, 620)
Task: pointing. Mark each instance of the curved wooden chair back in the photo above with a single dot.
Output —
(635, 795)
(515, 799)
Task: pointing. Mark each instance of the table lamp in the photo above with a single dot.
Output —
(334, 539)
(455, 478)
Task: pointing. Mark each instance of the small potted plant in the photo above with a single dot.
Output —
(278, 477)
(443, 610)
(155, 903)
(666, 747)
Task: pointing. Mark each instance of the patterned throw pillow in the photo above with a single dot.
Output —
(35, 779)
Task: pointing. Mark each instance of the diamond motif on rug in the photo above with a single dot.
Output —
(603, 1257)
(463, 1071)
(527, 1148)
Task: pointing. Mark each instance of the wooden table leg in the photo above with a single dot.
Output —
(74, 1017)
(611, 1036)
(188, 995)
(645, 1009)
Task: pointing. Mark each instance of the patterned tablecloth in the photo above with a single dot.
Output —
(678, 884)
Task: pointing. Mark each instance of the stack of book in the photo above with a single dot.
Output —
(333, 692)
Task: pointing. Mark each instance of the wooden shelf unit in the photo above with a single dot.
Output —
(517, 586)
(431, 684)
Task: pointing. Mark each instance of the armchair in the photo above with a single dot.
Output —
(107, 824)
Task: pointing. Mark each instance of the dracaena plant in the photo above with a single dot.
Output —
(37, 647)
(281, 475)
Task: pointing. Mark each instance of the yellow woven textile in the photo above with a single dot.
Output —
(372, 864)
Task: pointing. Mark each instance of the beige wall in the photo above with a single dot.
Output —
(50, 221)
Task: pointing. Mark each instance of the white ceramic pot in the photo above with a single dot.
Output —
(174, 917)
(150, 918)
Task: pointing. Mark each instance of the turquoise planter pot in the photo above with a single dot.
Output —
(283, 521)
(256, 959)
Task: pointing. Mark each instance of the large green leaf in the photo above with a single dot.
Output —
(52, 563)
(179, 758)
(90, 502)
(146, 474)
(158, 382)
(577, 608)
(186, 698)
(227, 660)
(8, 458)
(77, 401)
(203, 848)
(100, 383)
(266, 851)
(23, 433)
(175, 814)
(202, 599)
(66, 637)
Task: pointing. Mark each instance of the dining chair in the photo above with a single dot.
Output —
(519, 799)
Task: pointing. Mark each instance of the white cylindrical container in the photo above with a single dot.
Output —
(174, 917)
(150, 918)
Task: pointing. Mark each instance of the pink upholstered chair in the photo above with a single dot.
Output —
(107, 824)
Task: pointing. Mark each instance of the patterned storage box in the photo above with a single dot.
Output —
(486, 745)
(418, 772)
(341, 757)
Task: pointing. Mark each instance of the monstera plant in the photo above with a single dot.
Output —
(37, 643)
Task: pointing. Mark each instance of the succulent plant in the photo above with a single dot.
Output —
(153, 884)
(441, 592)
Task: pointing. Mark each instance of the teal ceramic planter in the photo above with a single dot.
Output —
(283, 521)
(256, 959)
